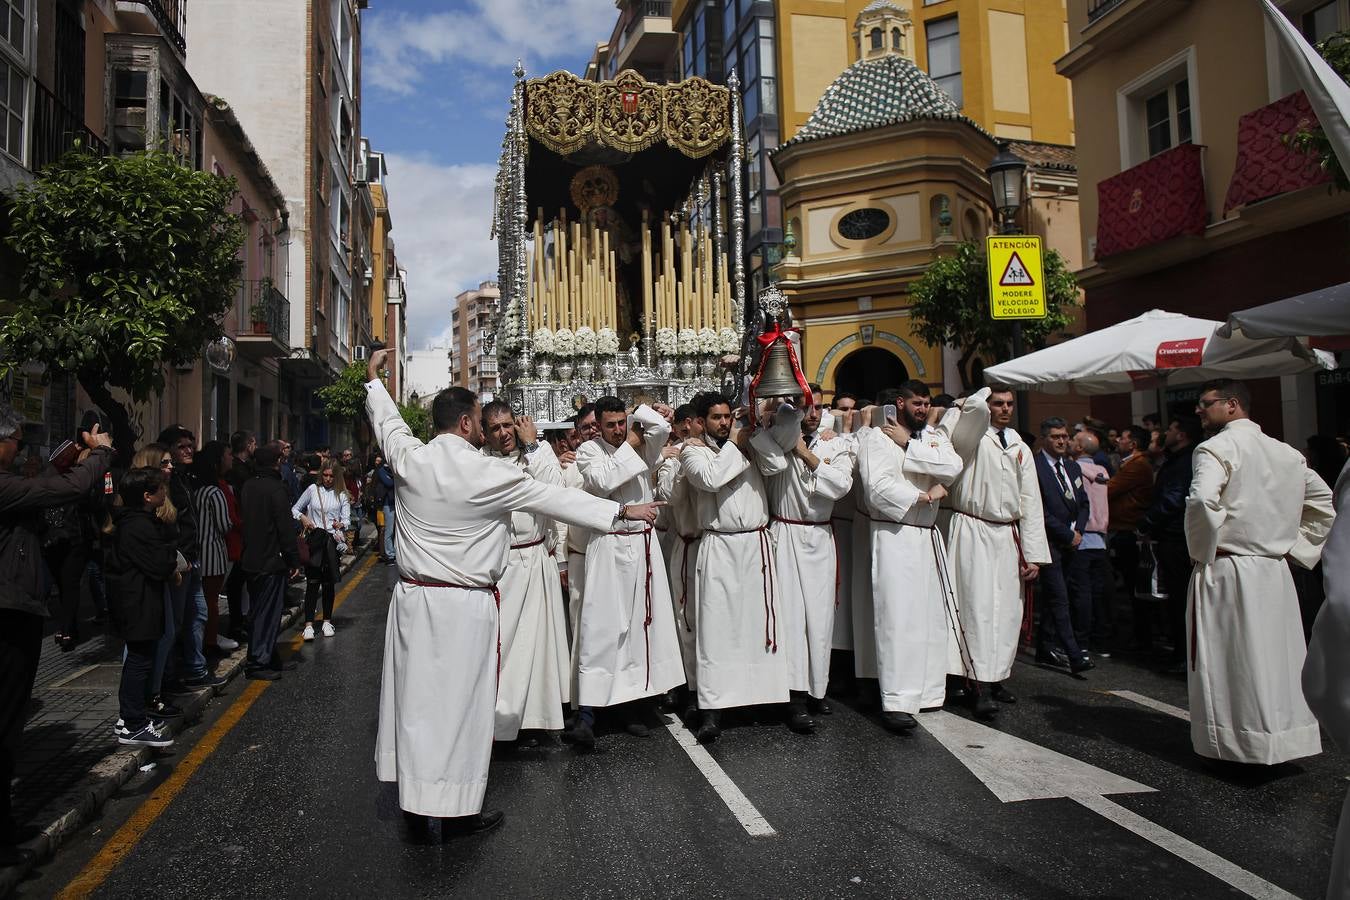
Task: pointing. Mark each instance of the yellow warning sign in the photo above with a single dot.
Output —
(1016, 278)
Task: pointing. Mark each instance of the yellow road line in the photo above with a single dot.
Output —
(125, 839)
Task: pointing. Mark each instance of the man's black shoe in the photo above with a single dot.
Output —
(262, 673)
(1082, 665)
(1055, 658)
(797, 720)
(206, 680)
(582, 735)
(465, 826)
(690, 716)
(1002, 694)
(985, 707)
(820, 706)
(159, 708)
(898, 722)
(418, 828)
(956, 692)
(711, 728)
(637, 728)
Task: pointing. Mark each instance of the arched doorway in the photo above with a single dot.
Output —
(864, 373)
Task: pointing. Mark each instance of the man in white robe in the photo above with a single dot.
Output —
(904, 467)
(995, 536)
(663, 482)
(1326, 673)
(533, 684)
(739, 660)
(814, 475)
(439, 683)
(1253, 506)
(627, 649)
(572, 543)
(681, 537)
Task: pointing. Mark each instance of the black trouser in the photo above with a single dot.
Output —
(1063, 584)
(20, 650)
(266, 594)
(131, 695)
(67, 561)
(1174, 571)
(322, 574)
(1097, 632)
(234, 593)
(1125, 546)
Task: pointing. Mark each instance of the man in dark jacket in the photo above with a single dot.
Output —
(23, 602)
(1064, 581)
(189, 600)
(1165, 522)
(270, 556)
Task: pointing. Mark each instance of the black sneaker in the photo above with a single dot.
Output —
(163, 709)
(262, 673)
(205, 680)
(151, 734)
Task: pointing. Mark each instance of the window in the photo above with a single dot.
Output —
(1167, 117)
(876, 38)
(864, 224)
(14, 25)
(895, 39)
(1320, 23)
(13, 103)
(944, 56)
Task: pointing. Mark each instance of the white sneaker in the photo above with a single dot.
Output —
(308, 633)
(328, 629)
(226, 644)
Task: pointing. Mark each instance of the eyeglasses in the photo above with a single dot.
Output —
(1206, 404)
(166, 463)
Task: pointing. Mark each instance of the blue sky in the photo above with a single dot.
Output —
(436, 83)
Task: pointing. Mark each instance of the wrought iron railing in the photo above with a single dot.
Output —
(171, 16)
(1099, 8)
(57, 130)
(268, 310)
(647, 9)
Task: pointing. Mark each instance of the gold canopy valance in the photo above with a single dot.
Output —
(564, 113)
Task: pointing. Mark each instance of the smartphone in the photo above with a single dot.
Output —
(826, 422)
(889, 413)
(91, 418)
(879, 416)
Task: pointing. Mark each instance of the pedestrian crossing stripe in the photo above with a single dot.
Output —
(1016, 274)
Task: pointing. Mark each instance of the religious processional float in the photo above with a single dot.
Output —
(618, 273)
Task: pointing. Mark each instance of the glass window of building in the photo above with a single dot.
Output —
(13, 108)
(1320, 23)
(14, 24)
(944, 56)
(1167, 116)
(876, 38)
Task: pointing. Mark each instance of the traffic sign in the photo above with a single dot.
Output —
(1016, 277)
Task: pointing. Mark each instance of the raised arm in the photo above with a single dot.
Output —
(392, 433)
(710, 470)
(543, 466)
(967, 425)
(933, 455)
(770, 458)
(506, 488)
(884, 486)
(602, 472)
(833, 478)
(18, 494)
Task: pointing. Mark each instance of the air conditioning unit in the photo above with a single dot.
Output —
(360, 352)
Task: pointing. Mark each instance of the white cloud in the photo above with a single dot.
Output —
(442, 218)
(401, 47)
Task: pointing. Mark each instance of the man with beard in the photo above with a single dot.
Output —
(626, 646)
(813, 475)
(533, 678)
(739, 663)
(904, 467)
(439, 685)
(1253, 507)
(995, 536)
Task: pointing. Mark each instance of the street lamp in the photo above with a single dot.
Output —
(1007, 174)
(1006, 179)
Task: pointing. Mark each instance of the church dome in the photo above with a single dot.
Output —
(875, 93)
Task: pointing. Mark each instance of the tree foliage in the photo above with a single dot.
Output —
(1313, 140)
(128, 264)
(418, 418)
(345, 398)
(951, 306)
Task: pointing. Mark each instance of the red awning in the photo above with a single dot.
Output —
(1154, 201)
(1266, 165)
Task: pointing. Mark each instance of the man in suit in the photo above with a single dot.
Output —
(1064, 581)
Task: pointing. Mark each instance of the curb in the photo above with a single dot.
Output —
(70, 811)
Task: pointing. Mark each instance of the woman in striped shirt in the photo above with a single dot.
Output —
(325, 513)
(213, 524)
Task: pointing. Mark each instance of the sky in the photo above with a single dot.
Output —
(436, 88)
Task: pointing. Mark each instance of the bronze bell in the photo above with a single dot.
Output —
(777, 376)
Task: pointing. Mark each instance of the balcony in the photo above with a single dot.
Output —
(1099, 8)
(57, 130)
(169, 15)
(647, 40)
(1158, 200)
(269, 312)
(1266, 165)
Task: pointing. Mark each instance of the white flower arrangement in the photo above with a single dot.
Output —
(606, 342)
(730, 339)
(688, 342)
(564, 343)
(509, 336)
(585, 341)
(666, 343)
(543, 341)
(708, 342)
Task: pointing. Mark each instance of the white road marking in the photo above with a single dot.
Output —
(1160, 706)
(754, 824)
(1250, 884)
(1014, 770)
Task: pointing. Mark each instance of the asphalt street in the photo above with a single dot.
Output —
(286, 803)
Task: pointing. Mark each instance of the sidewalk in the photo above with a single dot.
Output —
(69, 762)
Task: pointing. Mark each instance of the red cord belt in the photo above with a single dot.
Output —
(527, 544)
(767, 576)
(684, 579)
(647, 592)
(1028, 595)
(496, 598)
(830, 523)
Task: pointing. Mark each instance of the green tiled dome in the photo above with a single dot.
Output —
(875, 93)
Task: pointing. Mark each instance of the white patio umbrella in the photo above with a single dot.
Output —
(1319, 313)
(1156, 349)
